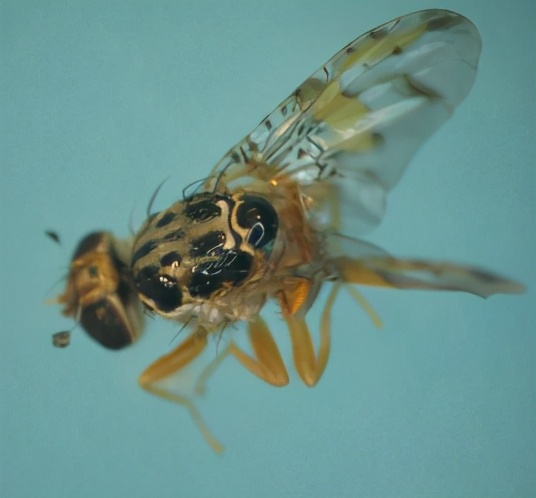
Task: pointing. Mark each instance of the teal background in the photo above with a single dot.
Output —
(100, 101)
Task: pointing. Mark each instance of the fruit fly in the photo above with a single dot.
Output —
(99, 293)
(280, 215)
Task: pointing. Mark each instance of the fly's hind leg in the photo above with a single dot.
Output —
(170, 364)
(266, 362)
(309, 366)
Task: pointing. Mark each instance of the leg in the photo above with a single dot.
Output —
(369, 310)
(417, 274)
(172, 363)
(294, 294)
(207, 372)
(310, 367)
(267, 363)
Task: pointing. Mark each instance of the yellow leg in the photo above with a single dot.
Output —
(417, 274)
(267, 363)
(170, 364)
(310, 367)
(356, 271)
(209, 370)
(369, 310)
(294, 294)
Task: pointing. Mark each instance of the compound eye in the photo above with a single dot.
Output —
(260, 217)
(163, 290)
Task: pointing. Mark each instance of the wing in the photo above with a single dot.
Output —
(349, 131)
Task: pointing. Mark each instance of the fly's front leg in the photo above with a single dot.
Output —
(170, 364)
(266, 362)
(309, 366)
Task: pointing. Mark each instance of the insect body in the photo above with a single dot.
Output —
(99, 293)
(280, 214)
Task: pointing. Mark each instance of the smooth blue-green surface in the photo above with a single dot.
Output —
(99, 102)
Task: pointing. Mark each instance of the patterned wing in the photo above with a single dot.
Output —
(349, 131)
